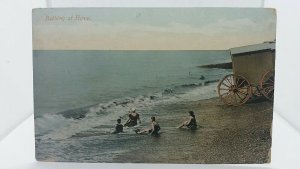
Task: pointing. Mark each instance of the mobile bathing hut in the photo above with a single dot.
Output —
(253, 74)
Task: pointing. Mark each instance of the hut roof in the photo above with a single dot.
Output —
(253, 48)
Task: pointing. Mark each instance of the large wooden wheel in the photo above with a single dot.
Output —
(234, 90)
(267, 85)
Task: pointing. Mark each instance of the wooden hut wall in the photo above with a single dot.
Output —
(253, 65)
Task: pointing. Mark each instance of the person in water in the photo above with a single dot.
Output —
(153, 130)
(119, 127)
(191, 123)
(134, 117)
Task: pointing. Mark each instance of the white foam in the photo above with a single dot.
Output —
(50, 122)
(62, 128)
(200, 93)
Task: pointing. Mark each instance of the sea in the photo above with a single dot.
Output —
(79, 95)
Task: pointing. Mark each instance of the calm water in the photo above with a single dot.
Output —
(79, 95)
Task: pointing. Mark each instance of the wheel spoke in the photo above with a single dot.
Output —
(240, 91)
(241, 83)
(244, 87)
(227, 93)
(231, 99)
(235, 99)
(234, 80)
(240, 96)
(245, 95)
(228, 81)
(267, 85)
(225, 84)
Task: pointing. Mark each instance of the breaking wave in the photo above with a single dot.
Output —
(100, 118)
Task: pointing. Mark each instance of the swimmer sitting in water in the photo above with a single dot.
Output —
(191, 123)
(133, 118)
(153, 130)
(119, 127)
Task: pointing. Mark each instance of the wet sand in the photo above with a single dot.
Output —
(226, 134)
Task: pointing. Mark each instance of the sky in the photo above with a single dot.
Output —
(151, 28)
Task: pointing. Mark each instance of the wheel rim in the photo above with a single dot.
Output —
(267, 85)
(234, 90)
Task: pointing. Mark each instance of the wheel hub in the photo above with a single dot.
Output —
(233, 89)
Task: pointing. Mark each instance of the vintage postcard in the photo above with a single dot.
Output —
(154, 85)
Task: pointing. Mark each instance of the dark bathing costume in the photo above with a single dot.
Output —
(119, 128)
(156, 129)
(192, 124)
(133, 120)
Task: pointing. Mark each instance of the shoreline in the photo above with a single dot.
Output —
(225, 135)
